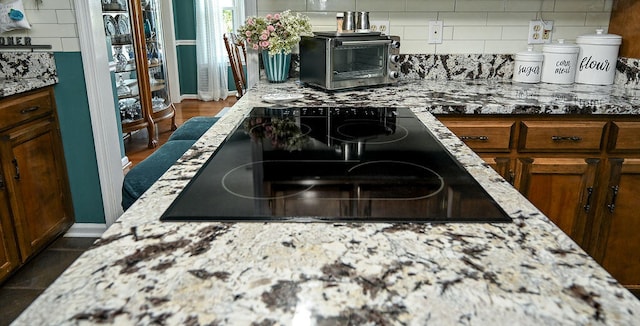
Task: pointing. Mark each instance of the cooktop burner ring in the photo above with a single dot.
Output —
(405, 164)
(347, 138)
(223, 182)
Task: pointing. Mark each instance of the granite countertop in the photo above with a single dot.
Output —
(13, 86)
(143, 271)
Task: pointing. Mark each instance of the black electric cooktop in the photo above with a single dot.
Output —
(365, 164)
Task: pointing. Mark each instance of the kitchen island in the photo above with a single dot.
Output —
(143, 271)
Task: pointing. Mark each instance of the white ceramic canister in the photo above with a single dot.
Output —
(559, 65)
(528, 66)
(597, 58)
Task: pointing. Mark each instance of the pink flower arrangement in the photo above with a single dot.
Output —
(275, 33)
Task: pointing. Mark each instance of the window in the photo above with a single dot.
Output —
(231, 14)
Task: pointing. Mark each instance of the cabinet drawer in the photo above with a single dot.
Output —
(24, 107)
(625, 136)
(494, 136)
(549, 136)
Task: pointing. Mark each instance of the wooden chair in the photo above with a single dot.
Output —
(236, 48)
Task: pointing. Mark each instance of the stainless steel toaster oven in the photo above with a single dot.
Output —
(334, 61)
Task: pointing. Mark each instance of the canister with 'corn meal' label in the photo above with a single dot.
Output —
(528, 66)
(559, 65)
(597, 58)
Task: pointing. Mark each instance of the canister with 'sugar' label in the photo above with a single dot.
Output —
(528, 66)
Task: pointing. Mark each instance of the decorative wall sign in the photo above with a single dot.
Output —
(19, 42)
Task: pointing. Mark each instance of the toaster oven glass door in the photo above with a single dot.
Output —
(359, 60)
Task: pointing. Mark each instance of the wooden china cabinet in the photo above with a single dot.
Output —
(583, 172)
(134, 31)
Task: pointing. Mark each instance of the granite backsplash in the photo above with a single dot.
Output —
(481, 66)
(24, 71)
(24, 65)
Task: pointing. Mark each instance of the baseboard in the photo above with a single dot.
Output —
(195, 96)
(86, 230)
(125, 163)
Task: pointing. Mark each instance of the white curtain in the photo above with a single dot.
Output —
(210, 51)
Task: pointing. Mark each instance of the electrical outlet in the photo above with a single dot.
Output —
(540, 31)
(435, 32)
(381, 26)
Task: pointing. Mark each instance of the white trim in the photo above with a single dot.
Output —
(86, 230)
(126, 163)
(253, 66)
(185, 42)
(101, 105)
(189, 96)
(170, 52)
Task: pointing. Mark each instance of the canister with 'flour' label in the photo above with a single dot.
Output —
(528, 66)
(597, 58)
(559, 65)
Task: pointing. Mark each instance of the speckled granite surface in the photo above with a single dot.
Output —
(24, 71)
(143, 271)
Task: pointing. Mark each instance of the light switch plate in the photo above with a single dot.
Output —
(435, 32)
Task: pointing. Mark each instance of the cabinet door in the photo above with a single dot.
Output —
(562, 188)
(618, 245)
(502, 165)
(9, 258)
(33, 165)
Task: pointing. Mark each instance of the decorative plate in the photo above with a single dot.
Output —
(279, 98)
(123, 25)
(123, 4)
(110, 26)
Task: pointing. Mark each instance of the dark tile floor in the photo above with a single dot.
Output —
(18, 291)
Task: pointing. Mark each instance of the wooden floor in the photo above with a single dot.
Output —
(136, 146)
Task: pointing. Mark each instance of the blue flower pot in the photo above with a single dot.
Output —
(276, 66)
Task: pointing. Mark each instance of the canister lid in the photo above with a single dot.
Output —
(560, 47)
(529, 55)
(600, 38)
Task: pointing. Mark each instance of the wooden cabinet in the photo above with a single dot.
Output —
(583, 172)
(9, 259)
(134, 31)
(617, 242)
(562, 188)
(35, 201)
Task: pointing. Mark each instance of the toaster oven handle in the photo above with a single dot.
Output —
(372, 42)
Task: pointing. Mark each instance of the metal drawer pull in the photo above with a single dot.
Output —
(480, 138)
(587, 206)
(15, 165)
(561, 138)
(612, 206)
(29, 110)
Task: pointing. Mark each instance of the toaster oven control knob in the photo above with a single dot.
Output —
(395, 44)
(394, 74)
(394, 58)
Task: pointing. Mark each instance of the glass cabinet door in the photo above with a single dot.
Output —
(133, 30)
(162, 107)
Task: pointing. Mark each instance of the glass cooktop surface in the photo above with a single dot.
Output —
(327, 164)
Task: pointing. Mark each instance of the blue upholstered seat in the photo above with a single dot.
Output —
(193, 128)
(145, 173)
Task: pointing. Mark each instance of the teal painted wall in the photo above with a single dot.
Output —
(184, 19)
(187, 67)
(77, 138)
